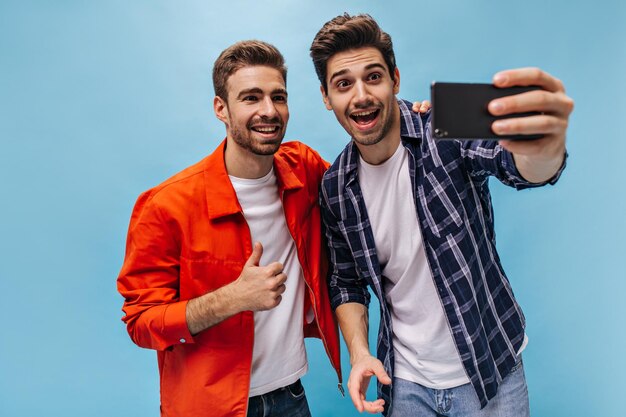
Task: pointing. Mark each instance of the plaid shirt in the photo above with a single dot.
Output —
(453, 205)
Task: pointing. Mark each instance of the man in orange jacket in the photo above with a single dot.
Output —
(224, 273)
(225, 268)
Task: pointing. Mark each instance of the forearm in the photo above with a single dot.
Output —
(354, 323)
(212, 308)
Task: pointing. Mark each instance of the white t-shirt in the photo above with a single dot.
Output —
(278, 357)
(425, 352)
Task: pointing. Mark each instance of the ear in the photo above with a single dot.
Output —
(221, 109)
(396, 81)
(325, 98)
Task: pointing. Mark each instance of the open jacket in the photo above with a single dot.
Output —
(187, 237)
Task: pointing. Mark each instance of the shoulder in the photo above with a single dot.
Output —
(296, 153)
(336, 175)
(413, 124)
(182, 185)
(181, 180)
(302, 161)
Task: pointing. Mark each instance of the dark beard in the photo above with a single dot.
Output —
(244, 139)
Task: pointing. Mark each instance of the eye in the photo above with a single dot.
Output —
(280, 98)
(342, 84)
(249, 98)
(375, 76)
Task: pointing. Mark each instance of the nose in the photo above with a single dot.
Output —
(361, 93)
(267, 108)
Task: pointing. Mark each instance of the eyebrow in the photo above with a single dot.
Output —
(257, 90)
(346, 70)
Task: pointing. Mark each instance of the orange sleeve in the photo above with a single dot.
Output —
(149, 280)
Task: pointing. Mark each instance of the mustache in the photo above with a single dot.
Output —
(369, 104)
(364, 104)
(269, 120)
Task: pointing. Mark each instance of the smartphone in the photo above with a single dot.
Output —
(460, 110)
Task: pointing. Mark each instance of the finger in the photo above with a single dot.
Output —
(379, 370)
(416, 106)
(281, 289)
(275, 268)
(354, 389)
(425, 106)
(272, 303)
(255, 257)
(541, 124)
(537, 101)
(373, 407)
(280, 279)
(528, 76)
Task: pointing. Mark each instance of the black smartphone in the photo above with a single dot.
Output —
(460, 110)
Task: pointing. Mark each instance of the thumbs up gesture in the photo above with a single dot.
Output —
(260, 287)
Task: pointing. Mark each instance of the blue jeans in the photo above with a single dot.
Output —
(414, 400)
(285, 401)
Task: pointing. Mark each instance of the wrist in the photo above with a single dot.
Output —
(359, 355)
(229, 299)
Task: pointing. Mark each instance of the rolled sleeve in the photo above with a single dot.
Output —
(485, 158)
(515, 179)
(175, 323)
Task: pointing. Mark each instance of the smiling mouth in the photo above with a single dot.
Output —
(267, 130)
(365, 117)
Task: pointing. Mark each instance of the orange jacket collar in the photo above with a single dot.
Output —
(222, 199)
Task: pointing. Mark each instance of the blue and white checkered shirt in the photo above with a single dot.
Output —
(453, 204)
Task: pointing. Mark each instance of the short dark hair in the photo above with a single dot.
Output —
(346, 32)
(244, 54)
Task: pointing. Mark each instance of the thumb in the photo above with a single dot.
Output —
(381, 375)
(255, 257)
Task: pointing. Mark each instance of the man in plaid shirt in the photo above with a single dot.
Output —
(458, 332)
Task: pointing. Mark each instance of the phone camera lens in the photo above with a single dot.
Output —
(440, 133)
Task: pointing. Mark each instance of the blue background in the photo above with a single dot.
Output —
(102, 100)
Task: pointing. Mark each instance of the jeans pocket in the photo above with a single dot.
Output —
(296, 390)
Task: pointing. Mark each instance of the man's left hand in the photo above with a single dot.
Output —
(421, 106)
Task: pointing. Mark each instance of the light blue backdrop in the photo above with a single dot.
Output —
(102, 100)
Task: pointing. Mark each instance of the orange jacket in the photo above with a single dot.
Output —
(187, 237)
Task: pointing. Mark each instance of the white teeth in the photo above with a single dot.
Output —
(365, 113)
(265, 129)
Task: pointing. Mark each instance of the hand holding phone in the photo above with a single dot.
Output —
(536, 160)
(460, 110)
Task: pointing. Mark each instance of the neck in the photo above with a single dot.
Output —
(242, 163)
(378, 153)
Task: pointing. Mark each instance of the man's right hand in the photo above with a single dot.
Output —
(363, 368)
(259, 287)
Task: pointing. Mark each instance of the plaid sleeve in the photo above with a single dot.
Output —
(344, 283)
(487, 157)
